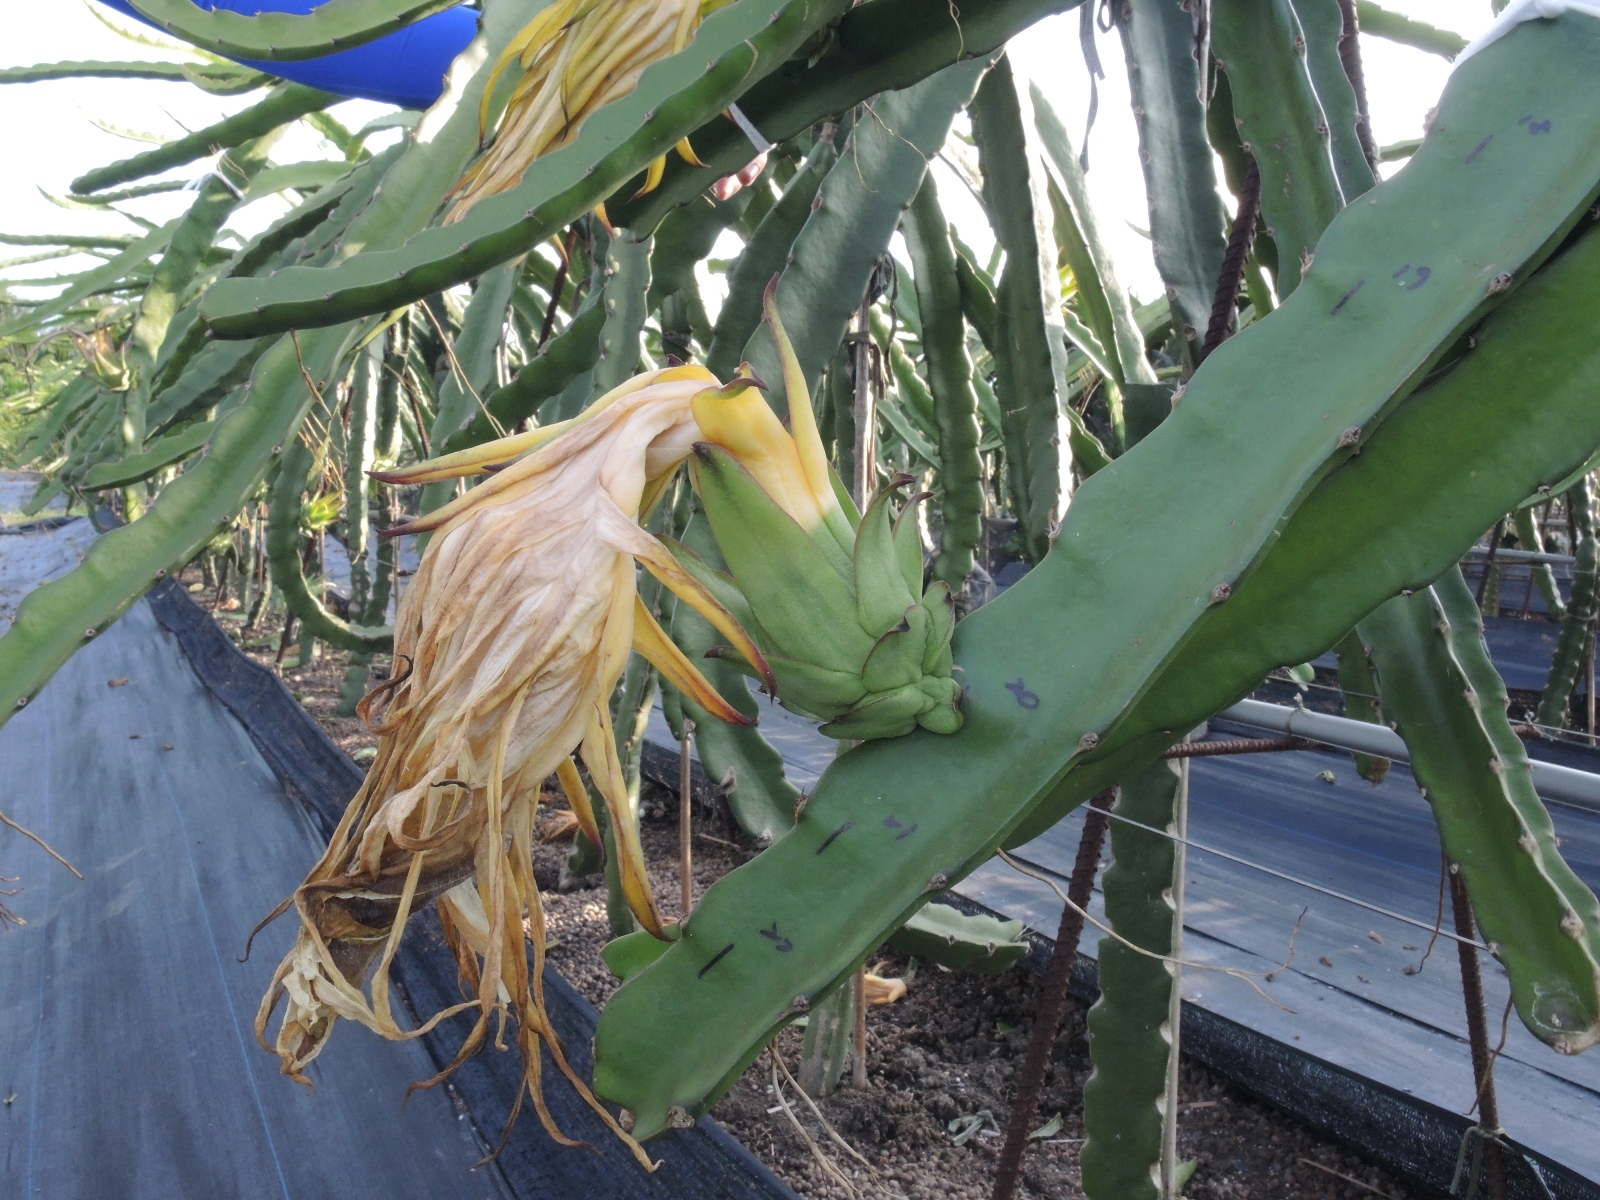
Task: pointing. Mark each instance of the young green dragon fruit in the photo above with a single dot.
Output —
(834, 599)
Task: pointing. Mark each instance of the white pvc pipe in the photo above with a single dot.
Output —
(1508, 555)
(1581, 789)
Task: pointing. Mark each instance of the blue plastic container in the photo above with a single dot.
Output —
(406, 68)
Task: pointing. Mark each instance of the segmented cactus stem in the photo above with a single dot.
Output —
(1188, 225)
(1131, 1035)
(360, 438)
(1544, 578)
(763, 256)
(1359, 686)
(1577, 625)
(1030, 335)
(1262, 47)
(1449, 703)
(955, 403)
(283, 554)
(286, 102)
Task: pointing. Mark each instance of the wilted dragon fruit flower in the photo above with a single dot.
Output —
(577, 56)
(513, 635)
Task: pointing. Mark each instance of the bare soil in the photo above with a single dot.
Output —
(947, 1052)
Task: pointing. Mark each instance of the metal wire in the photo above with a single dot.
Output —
(1522, 728)
(1294, 879)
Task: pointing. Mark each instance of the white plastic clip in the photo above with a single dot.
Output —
(750, 131)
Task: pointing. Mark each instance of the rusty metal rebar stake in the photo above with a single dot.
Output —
(1052, 997)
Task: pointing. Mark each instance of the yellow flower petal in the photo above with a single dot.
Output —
(600, 756)
(803, 423)
(650, 640)
(652, 177)
(577, 794)
(739, 420)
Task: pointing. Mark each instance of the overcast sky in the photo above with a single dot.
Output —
(54, 131)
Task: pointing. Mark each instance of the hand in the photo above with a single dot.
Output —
(729, 185)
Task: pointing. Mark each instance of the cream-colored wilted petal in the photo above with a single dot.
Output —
(508, 644)
(577, 58)
(509, 449)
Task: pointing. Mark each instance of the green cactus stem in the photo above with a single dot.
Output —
(857, 210)
(219, 196)
(1098, 288)
(1408, 31)
(764, 256)
(626, 286)
(283, 555)
(1537, 916)
(1577, 624)
(955, 402)
(1528, 534)
(1131, 1038)
(1029, 335)
(1156, 675)
(742, 42)
(873, 49)
(1323, 24)
(1261, 46)
(471, 368)
(1359, 686)
(1186, 216)
(223, 79)
(683, 240)
(285, 103)
(961, 941)
(360, 438)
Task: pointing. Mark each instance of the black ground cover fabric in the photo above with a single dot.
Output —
(127, 1051)
(193, 793)
(700, 1162)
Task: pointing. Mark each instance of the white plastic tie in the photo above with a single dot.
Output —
(762, 145)
(1519, 11)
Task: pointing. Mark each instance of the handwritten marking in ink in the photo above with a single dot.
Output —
(784, 945)
(718, 957)
(894, 823)
(828, 841)
(1025, 698)
(1482, 146)
(1423, 274)
(1535, 128)
(1348, 296)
